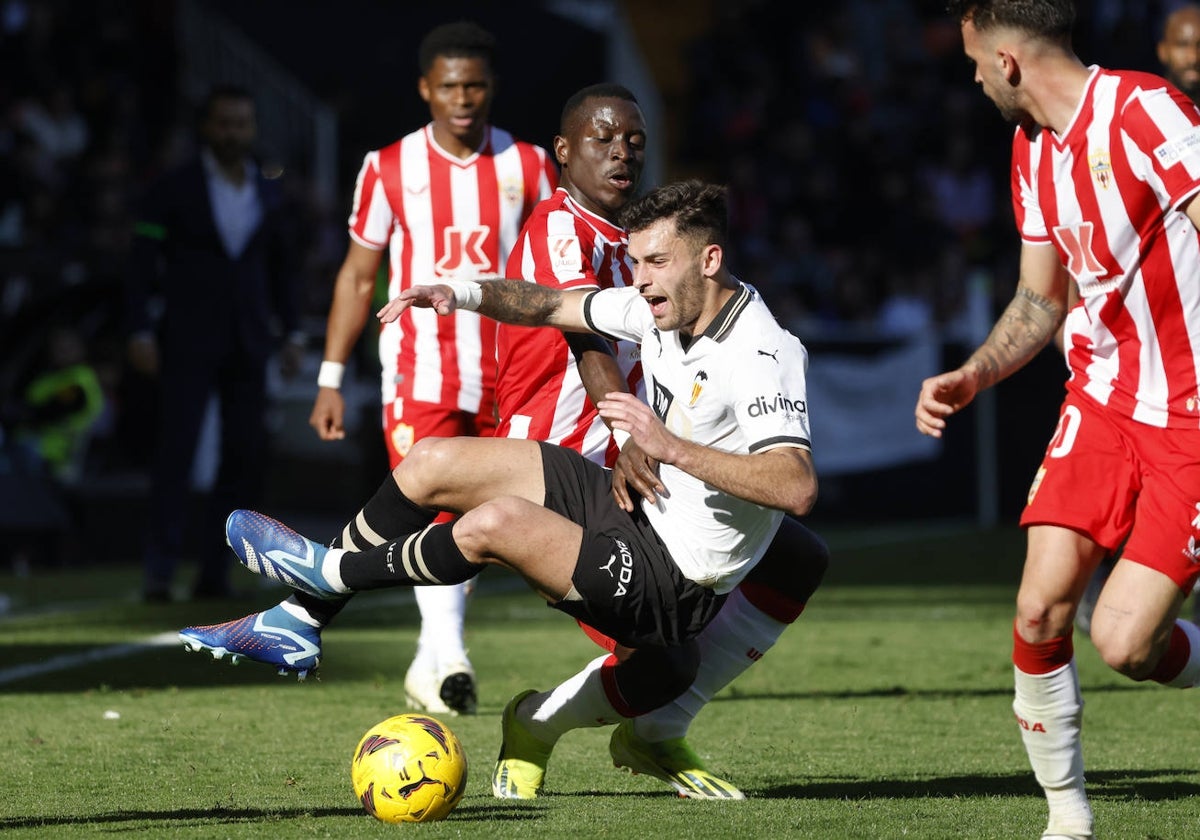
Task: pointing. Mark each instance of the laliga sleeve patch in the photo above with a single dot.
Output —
(1177, 148)
(566, 258)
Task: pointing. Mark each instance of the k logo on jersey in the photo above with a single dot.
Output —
(463, 254)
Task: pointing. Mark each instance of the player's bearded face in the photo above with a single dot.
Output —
(668, 274)
(989, 76)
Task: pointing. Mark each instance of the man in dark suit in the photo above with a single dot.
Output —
(211, 285)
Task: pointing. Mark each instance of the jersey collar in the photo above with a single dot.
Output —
(727, 317)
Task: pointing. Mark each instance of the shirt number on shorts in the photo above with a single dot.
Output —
(1065, 433)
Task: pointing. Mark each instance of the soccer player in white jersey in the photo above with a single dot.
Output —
(1105, 170)
(447, 200)
(728, 425)
(547, 386)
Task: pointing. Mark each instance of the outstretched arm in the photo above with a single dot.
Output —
(1026, 326)
(521, 303)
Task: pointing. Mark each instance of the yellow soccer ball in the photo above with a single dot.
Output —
(409, 768)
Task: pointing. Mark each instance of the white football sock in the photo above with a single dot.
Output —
(1049, 710)
(576, 703)
(1190, 675)
(331, 570)
(295, 609)
(441, 644)
(733, 641)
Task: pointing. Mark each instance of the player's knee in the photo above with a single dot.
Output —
(653, 677)
(1126, 654)
(1040, 618)
(421, 474)
(478, 530)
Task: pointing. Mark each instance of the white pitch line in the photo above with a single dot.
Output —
(74, 660)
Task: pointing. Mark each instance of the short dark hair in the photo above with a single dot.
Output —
(1049, 19)
(461, 39)
(698, 208)
(219, 92)
(602, 90)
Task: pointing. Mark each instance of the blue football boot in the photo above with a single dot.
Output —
(274, 637)
(273, 550)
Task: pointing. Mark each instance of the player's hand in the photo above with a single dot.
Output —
(635, 469)
(626, 412)
(328, 413)
(437, 297)
(941, 396)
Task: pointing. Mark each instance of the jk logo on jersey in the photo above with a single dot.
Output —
(462, 252)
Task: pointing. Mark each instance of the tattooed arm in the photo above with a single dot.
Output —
(533, 305)
(510, 301)
(1026, 326)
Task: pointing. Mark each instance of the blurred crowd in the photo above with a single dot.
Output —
(868, 180)
(87, 114)
(869, 175)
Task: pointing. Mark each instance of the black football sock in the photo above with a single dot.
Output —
(386, 516)
(428, 557)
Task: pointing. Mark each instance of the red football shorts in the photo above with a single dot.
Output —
(1110, 477)
(417, 420)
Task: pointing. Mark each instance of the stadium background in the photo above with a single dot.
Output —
(869, 203)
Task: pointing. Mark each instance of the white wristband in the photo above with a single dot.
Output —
(621, 437)
(467, 293)
(330, 375)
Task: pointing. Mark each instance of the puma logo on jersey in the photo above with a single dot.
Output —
(774, 355)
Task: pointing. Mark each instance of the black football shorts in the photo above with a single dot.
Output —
(630, 588)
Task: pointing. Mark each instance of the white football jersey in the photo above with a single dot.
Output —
(738, 387)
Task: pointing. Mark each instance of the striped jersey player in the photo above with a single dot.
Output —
(1107, 196)
(443, 218)
(539, 392)
(1105, 174)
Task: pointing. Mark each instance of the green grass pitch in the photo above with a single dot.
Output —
(884, 712)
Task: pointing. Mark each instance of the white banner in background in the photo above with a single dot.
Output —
(861, 407)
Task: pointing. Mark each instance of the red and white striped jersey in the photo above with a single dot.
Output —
(441, 217)
(1107, 195)
(539, 393)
